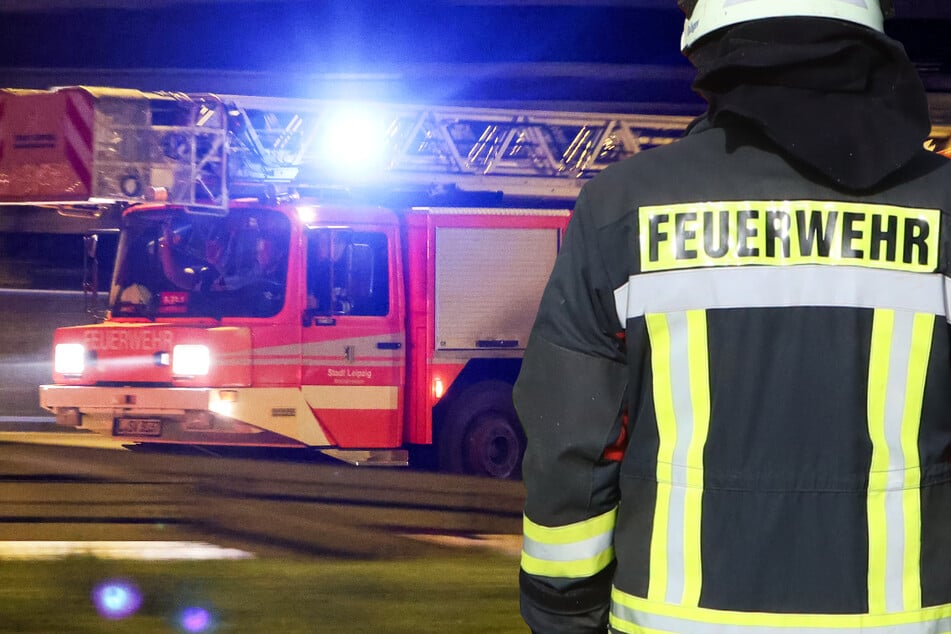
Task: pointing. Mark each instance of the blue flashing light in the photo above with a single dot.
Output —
(116, 599)
(354, 138)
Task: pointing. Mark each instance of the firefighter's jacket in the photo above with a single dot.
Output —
(775, 355)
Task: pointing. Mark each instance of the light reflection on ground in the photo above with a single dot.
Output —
(506, 544)
(67, 438)
(144, 550)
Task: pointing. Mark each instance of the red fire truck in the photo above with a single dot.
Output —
(284, 279)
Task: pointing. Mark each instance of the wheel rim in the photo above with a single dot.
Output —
(493, 447)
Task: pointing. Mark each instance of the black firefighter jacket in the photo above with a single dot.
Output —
(775, 355)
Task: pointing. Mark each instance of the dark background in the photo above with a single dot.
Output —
(607, 55)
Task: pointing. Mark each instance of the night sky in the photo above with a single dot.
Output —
(409, 37)
(352, 35)
(431, 50)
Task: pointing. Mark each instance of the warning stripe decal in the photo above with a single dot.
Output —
(3, 107)
(78, 136)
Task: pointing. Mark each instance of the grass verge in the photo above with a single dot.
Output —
(471, 592)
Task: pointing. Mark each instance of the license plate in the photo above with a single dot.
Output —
(138, 427)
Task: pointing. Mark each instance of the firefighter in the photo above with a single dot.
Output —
(209, 276)
(737, 392)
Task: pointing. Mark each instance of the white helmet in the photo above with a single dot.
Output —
(710, 15)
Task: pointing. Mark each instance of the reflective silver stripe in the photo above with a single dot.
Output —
(894, 415)
(575, 551)
(779, 286)
(683, 415)
(679, 625)
(947, 298)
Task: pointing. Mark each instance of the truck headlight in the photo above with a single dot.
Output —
(190, 360)
(69, 358)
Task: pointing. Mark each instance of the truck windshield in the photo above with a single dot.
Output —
(171, 263)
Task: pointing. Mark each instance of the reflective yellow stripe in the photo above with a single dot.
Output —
(882, 326)
(900, 350)
(642, 630)
(700, 397)
(570, 533)
(637, 615)
(667, 430)
(788, 232)
(571, 551)
(577, 569)
(911, 583)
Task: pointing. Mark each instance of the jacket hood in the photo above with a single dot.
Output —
(842, 99)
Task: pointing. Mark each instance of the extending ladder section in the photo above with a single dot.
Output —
(81, 145)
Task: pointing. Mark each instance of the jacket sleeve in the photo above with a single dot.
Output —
(570, 400)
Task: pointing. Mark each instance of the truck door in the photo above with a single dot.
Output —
(353, 347)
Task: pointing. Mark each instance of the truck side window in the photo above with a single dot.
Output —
(347, 272)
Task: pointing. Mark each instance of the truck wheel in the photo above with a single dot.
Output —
(482, 435)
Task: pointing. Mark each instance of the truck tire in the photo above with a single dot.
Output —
(481, 434)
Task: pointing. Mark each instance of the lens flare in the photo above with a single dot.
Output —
(195, 619)
(116, 599)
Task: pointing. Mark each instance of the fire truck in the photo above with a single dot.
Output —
(355, 279)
